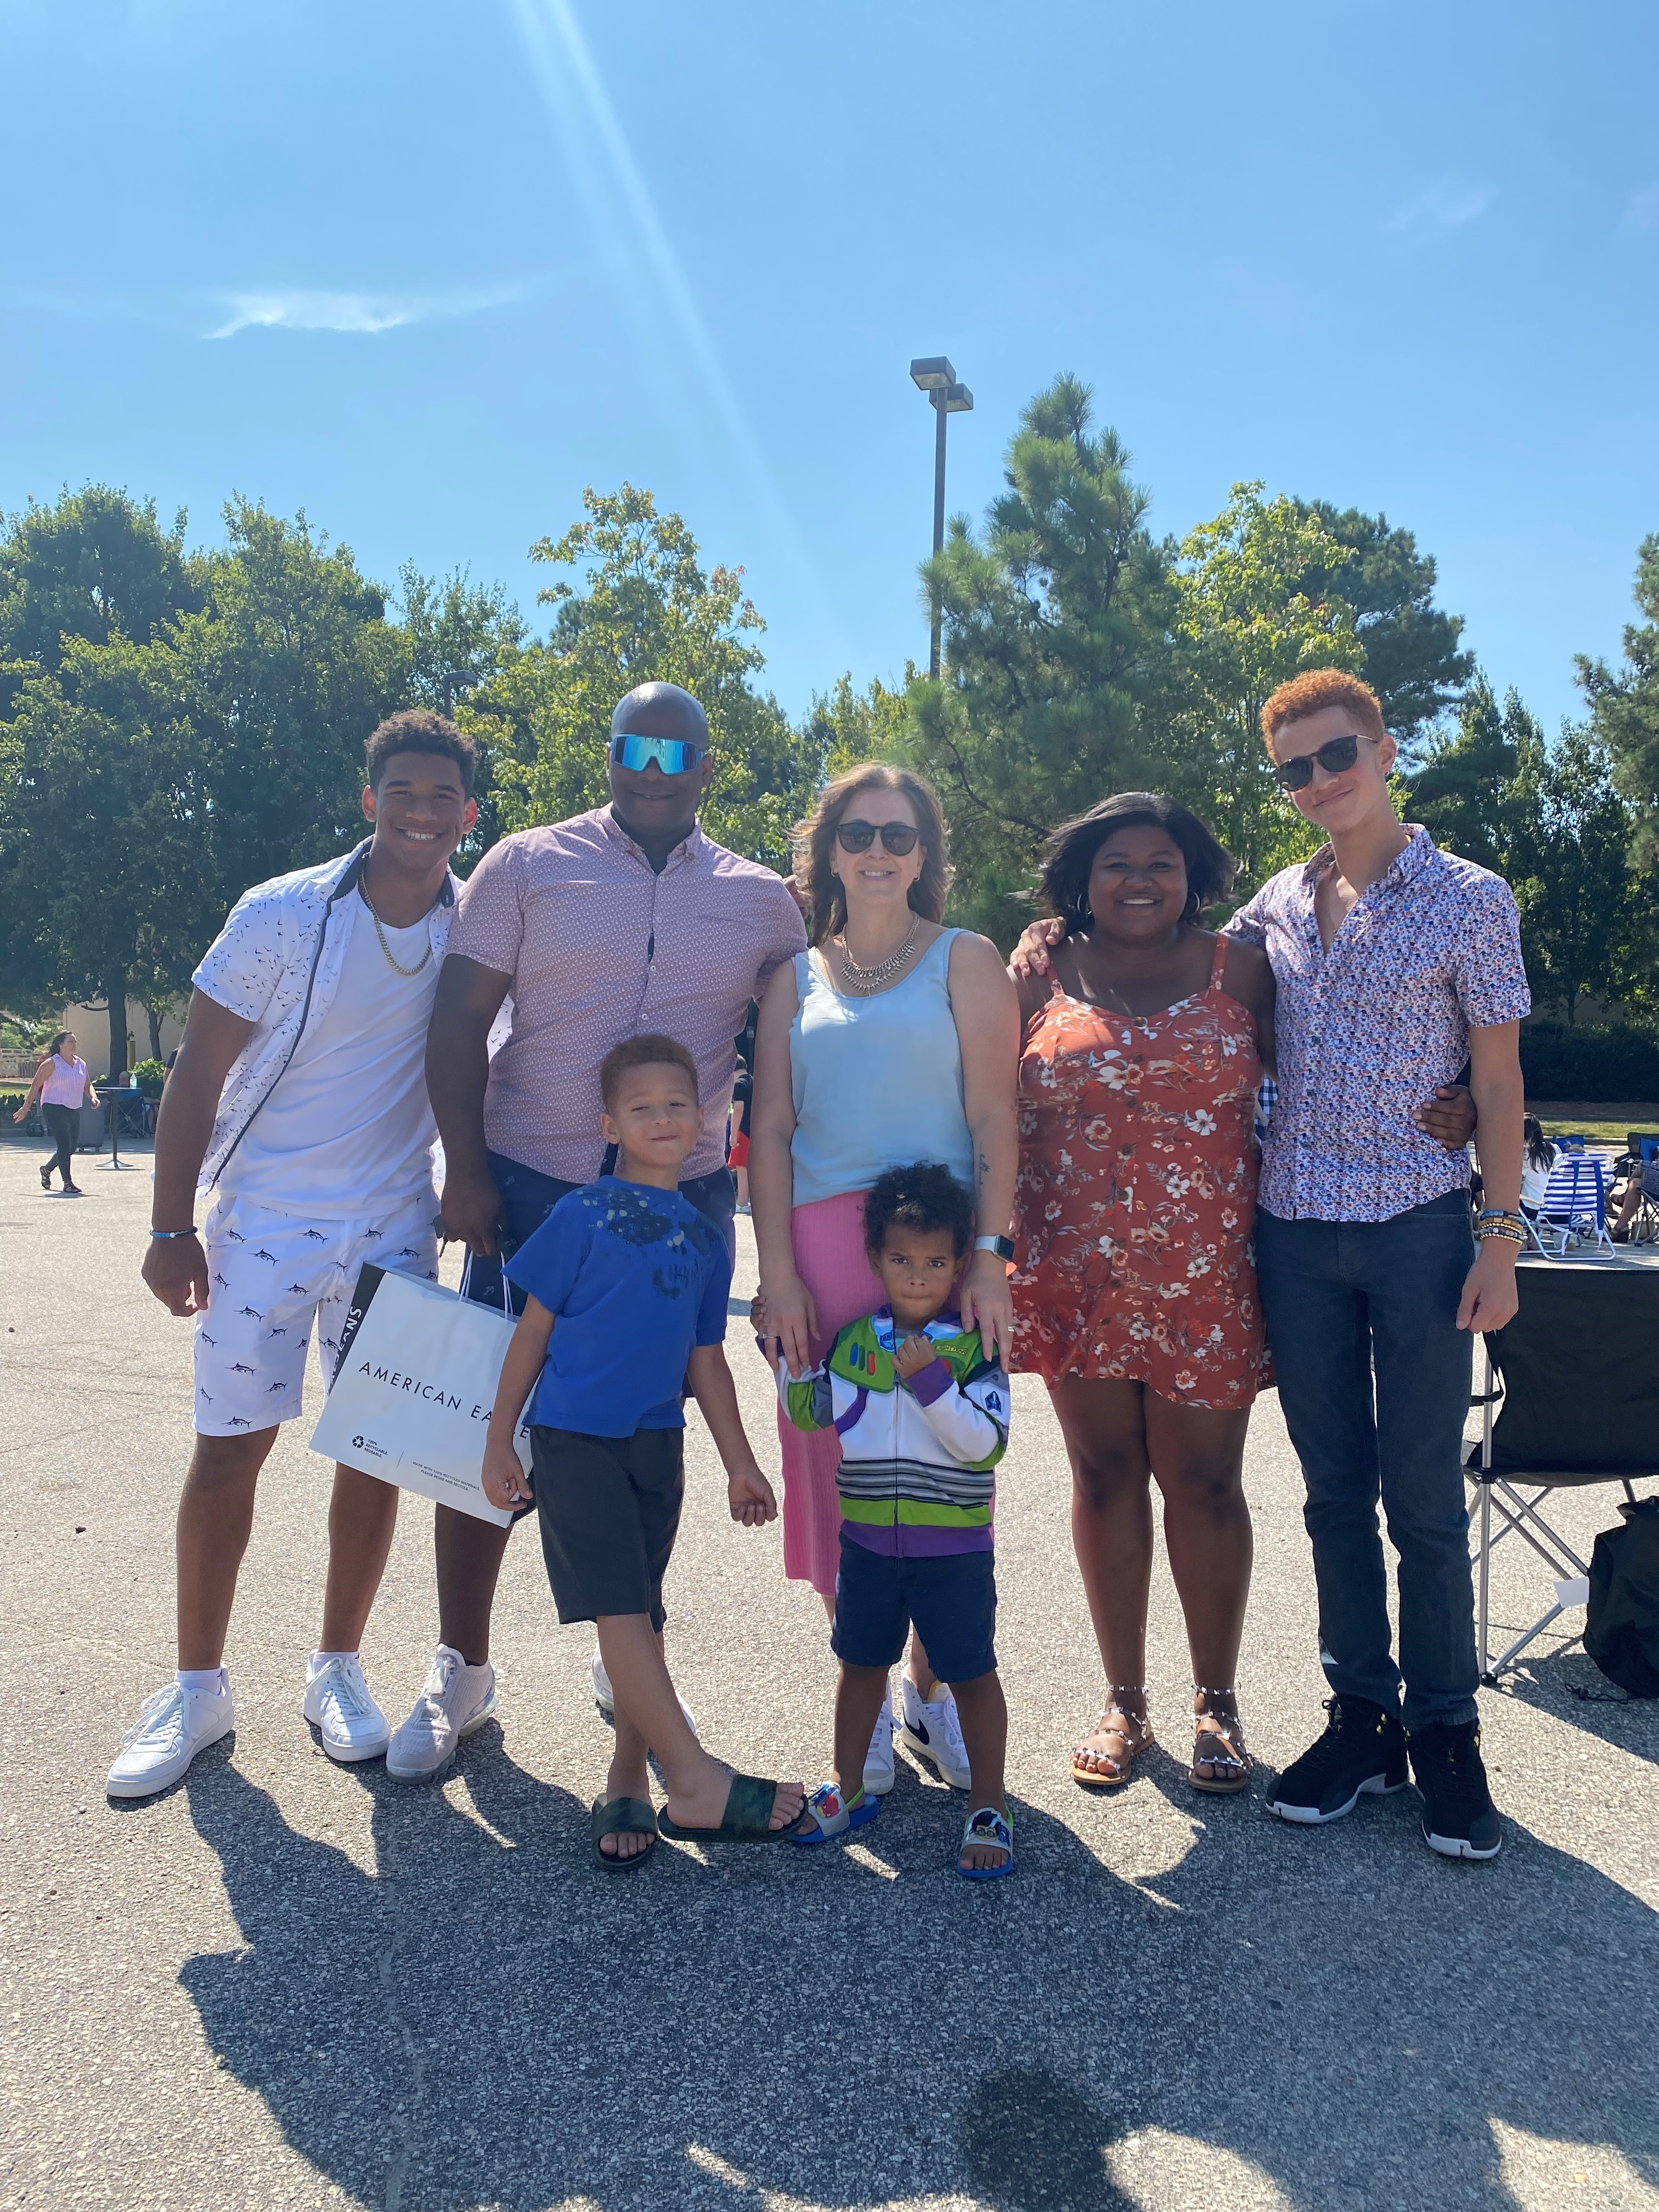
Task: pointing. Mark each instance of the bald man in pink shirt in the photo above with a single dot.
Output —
(624, 919)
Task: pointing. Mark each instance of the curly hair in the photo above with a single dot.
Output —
(923, 1196)
(647, 1051)
(1068, 857)
(814, 844)
(1323, 687)
(420, 730)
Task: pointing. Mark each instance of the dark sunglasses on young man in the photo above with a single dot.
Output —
(1334, 756)
(673, 756)
(898, 838)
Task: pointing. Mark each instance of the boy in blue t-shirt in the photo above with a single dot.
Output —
(636, 1282)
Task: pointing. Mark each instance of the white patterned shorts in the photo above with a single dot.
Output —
(277, 1280)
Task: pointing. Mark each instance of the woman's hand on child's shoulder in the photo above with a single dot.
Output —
(751, 1498)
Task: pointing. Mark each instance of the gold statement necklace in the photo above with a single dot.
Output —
(872, 978)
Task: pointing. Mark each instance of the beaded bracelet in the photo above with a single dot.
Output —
(1504, 1231)
(159, 1233)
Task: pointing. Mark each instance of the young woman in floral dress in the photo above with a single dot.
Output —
(1134, 1284)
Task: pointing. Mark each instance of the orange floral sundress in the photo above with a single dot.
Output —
(1136, 1197)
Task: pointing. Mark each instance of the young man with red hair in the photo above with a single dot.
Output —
(1395, 963)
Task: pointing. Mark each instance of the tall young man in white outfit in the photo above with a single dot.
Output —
(298, 1106)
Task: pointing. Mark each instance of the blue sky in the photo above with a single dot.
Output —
(426, 270)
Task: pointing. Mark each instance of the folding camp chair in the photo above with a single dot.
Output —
(1575, 1199)
(1577, 1373)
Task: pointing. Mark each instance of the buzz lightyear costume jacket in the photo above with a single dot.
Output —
(916, 1456)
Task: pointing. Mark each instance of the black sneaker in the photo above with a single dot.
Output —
(1362, 1750)
(1460, 1820)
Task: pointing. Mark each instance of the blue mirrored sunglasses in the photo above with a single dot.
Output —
(673, 756)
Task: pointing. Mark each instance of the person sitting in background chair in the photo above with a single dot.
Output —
(1537, 1160)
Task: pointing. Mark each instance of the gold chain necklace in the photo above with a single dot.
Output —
(392, 962)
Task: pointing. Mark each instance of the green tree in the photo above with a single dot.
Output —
(846, 727)
(280, 676)
(95, 565)
(1461, 793)
(1408, 647)
(1056, 642)
(101, 836)
(1624, 709)
(1585, 917)
(641, 608)
(1254, 607)
(458, 636)
(95, 575)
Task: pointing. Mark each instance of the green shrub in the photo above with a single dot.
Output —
(1588, 1063)
(149, 1075)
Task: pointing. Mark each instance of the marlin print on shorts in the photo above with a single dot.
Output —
(278, 1331)
(408, 1252)
(220, 1281)
(262, 1254)
(276, 1386)
(237, 1367)
(235, 1236)
(213, 1340)
(315, 1237)
(237, 1422)
(297, 1290)
(251, 1313)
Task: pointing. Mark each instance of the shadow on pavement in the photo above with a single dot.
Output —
(486, 2019)
(1569, 1686)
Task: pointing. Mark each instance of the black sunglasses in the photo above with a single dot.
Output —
(1334, 756)
(897, 837)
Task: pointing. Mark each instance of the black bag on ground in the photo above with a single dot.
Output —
(1621, 1629)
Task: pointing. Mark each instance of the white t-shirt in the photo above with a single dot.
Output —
(348, 1127)
(1535, 1181)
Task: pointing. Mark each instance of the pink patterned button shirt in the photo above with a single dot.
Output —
(1370, 1029)
(599, 949)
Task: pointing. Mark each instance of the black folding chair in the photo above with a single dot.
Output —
(1575, 1376)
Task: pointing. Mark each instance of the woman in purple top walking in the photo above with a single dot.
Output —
(62, 1085)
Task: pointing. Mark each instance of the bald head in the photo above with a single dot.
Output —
(660, 710)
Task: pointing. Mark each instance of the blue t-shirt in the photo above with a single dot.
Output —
(637, 1277)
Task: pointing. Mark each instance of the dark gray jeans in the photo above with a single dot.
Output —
(1346, 1301)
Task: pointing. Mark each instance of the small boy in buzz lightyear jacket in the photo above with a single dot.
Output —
(923, 1419)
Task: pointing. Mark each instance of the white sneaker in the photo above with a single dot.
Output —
(341, 1707)
(604, 1698)
(174, 1724)
(456, 1700)
(879, 1760)
(931, 1730)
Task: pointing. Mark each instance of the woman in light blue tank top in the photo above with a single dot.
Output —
(892, 1040)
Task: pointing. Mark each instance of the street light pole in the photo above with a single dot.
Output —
(936, 377)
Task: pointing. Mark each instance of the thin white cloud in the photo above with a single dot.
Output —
(1641, 215)
(362, 314)
(1445, 205)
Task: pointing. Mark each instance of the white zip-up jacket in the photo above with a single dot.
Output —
(276, 962)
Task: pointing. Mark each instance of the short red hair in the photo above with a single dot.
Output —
(1323, 687)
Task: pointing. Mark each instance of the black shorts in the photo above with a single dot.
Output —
(950, 1601)
(609, 1509)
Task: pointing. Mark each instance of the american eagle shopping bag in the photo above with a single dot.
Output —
(414, 1387)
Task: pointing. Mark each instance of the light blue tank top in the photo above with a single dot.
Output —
(877, 1081)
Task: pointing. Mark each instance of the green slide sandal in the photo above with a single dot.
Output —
(622, 1816)
(748, 1808)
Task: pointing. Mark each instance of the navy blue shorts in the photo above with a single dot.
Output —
(950, 1601)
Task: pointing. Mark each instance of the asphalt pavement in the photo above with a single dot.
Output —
(290, 1985)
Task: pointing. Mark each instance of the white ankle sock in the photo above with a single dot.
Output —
(318, 1660)
(199, 1678)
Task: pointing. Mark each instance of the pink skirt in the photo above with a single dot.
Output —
(830, 1260)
